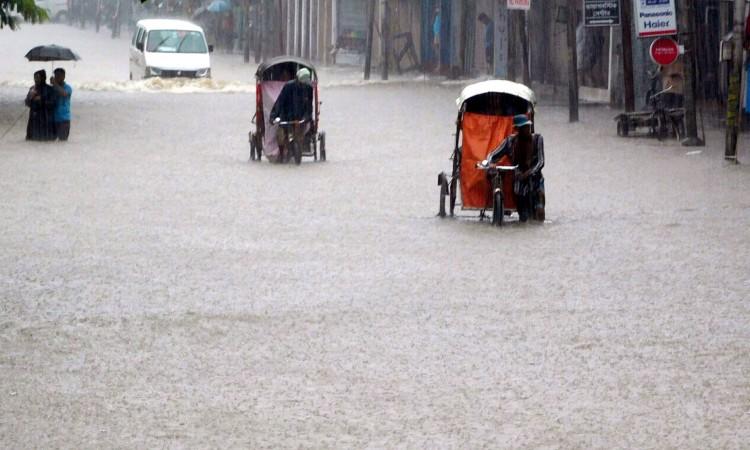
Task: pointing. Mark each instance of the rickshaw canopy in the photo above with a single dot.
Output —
(280, 62)
(496, 87)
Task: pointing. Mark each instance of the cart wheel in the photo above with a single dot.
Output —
(322, 146)
(662, 131)
(297, 152)
(443, 183)
(498, 213)
(679, 127)
(622, 127)
(452, 191)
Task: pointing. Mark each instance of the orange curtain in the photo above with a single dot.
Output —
(481, 134)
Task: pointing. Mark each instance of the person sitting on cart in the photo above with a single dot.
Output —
(294, 103)
(526, 150)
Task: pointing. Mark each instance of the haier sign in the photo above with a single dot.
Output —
(655, 17)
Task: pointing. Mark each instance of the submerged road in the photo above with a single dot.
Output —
(157, 290)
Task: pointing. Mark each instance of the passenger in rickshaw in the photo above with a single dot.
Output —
(295, 102)
(526, 150)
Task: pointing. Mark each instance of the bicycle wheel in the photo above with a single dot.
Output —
(498, 210)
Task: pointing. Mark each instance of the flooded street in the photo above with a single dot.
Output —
(159, 290)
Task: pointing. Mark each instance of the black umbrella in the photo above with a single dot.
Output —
(51, 53)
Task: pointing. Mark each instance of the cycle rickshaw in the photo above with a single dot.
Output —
(485, 118)
(270, 78)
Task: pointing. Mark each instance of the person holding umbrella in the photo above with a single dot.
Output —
(41, 102)
(63, 91)
(58, 97)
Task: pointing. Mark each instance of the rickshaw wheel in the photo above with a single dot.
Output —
(498, 213)
(443, 183)
(297, 152)
(322, 146)
(452, 192)
(252, 149)
(258, 147)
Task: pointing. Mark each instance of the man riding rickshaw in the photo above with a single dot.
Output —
(525, 150)
(293, 109)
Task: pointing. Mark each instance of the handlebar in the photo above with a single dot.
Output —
(485, 165)
(664, 91)
(287, 123)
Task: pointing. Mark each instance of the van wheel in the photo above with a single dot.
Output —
(131, 76)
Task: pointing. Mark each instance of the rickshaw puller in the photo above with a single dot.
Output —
(526, 150)
(295, 103)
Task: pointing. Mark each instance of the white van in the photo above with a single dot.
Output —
(169, 48)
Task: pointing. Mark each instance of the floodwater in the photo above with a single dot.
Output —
(158, 290)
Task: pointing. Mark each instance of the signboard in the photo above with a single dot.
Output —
(601, 13)
(519, 4)
(664, 51)
(655, 17)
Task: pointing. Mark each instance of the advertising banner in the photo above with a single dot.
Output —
(655, 18)
(519, 4)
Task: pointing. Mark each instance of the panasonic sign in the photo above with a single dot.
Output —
(655, 17)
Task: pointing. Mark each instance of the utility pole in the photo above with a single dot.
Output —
(513, 35)
(627, 55)
(500, 16)
(281, 24)
(733, 97)
(248, 33)
(370, 34)
(386, 36)
(297, 12)
(687, 26)
(525, 48)
(572, 63)
(289, 27)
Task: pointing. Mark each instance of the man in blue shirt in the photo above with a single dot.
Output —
(62, 107)
(436, 29)
(489, 40)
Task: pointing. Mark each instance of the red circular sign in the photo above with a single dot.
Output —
(664, 51)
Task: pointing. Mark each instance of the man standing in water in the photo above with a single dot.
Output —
(526, 150)
(62, 106)
(489, 40)
(41, 103)
(436, 30)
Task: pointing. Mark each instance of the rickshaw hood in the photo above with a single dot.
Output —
(497, 86)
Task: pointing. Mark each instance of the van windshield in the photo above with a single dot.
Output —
(176, 41)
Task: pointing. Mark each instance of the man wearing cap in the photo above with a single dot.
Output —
(295, 103)
(526, 150)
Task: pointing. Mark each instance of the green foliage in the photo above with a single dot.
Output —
(10, 10)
